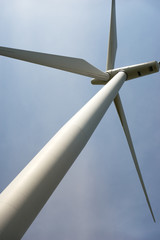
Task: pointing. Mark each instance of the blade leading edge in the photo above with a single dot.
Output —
(112, 48)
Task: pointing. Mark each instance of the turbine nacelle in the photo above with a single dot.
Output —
(133, 71)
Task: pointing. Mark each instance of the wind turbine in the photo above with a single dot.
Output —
(22, 200)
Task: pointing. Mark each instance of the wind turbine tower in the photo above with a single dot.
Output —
(26, 195)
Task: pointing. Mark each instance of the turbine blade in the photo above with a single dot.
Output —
(74, 65)
(123, 120)
(112, 44)
(112, 48)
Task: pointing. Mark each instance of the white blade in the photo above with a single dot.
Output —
(123, 120)
(112, 44)
(112, 47)
(74, 65)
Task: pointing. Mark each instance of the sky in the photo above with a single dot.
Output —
(100, 197)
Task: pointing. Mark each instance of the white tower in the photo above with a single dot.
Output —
(25, 196)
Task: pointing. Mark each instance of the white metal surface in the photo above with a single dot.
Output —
(133, 71)
(74, 65)
(123, 120)
(22, 200)
(112, 43)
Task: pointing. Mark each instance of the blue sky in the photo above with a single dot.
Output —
(100, 197)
